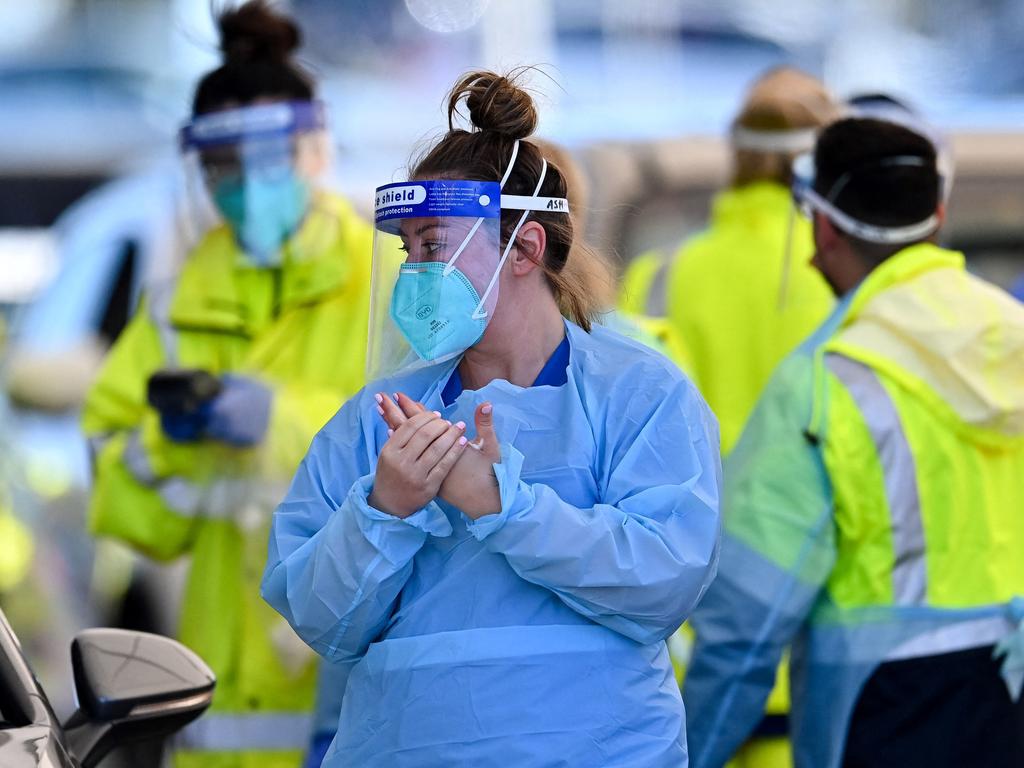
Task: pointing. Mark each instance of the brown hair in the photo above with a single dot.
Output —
(501, 113)
(257, 43)
(591, 265)
(782, 99)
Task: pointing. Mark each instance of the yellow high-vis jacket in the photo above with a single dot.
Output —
(740, 296)
(300, 329)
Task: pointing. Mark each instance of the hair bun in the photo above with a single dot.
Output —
(495, 103)
(254, 31)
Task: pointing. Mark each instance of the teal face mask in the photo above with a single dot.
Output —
(436, 312)
(263, 210)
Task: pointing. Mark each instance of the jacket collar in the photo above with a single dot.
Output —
(759, 200)
(219, 290)
(899, 268)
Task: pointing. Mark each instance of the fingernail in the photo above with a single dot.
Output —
(461, 425)
(486, 410)
(438, 414)
(396, 397)
(463, 440)
(391, 432)
(380, 410)
(378, 398)
(447, 422)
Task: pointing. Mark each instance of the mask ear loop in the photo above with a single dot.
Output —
(450, 266)
(478, 313)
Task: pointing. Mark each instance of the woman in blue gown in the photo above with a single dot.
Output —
(501, 600)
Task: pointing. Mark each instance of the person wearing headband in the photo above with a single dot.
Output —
(211, 395)
(740, 294)
(885, 106)
(495, 538)
(872, 505)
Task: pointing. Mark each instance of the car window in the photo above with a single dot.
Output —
(13, 696)
(119, 306)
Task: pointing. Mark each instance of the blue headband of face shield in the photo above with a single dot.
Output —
(809, 200)
(259, 121)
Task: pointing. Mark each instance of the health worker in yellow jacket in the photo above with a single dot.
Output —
(873, 504)
(741, 295)
(211, 396)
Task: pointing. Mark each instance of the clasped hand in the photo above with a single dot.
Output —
(425, 457)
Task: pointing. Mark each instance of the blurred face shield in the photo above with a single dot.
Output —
(252, 166)
(808, 201)
(437, 258)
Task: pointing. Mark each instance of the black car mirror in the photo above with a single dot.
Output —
(132, 686)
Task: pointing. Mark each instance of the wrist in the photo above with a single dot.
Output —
(383, 505)
(486, 500)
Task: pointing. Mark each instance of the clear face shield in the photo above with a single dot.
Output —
(251, 168)
(437, 262)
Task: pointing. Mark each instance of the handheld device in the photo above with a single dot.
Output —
(181, 390)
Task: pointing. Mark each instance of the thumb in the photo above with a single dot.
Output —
(486, 438)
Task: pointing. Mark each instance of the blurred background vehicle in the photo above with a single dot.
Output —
(132, 687)
(92, 197)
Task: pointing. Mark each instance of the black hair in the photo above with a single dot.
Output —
(857, 171)
(257, 43)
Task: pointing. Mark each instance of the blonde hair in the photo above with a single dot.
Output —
(587, 271)
(783, 99)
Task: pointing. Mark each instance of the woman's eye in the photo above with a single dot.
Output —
(432, 248)
(404, 247)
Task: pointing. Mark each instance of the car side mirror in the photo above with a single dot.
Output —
(132, 686)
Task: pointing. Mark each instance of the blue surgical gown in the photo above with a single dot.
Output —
(533, 636)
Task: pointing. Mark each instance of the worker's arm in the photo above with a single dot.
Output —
(336, 565)
(639, 559)
(777, 553)
(147, 489)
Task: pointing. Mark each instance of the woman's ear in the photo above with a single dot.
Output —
(528, 252)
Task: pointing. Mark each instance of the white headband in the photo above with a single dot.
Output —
(782, 142)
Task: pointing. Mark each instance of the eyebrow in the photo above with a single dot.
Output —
(420, 230)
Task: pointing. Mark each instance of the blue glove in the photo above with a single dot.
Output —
(239, 415)
(185, 426)
(318, 749)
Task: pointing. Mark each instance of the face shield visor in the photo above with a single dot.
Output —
(245, 166)
(807, 201)
(437, 261)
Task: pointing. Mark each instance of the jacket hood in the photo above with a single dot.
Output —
(948, 336)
